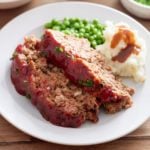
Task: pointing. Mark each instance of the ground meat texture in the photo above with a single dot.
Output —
(58, 100)
(85, 67)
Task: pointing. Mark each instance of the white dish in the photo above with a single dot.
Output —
(137, 9)
(23, 115)
(7, 4)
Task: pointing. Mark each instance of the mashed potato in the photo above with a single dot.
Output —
(131, 66)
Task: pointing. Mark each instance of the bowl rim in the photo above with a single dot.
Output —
(139, 4)
(11, 1)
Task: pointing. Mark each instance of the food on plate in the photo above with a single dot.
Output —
(145, 2)
(91, 30)
(124, 50)
(58, 100)
(85, 67)
(68, 80)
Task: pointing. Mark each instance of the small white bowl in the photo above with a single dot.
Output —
(137, 9)
(7, 4)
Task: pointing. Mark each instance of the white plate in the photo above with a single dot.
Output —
(23, 115)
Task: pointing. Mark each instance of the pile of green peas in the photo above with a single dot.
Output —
(145, 2)
(82, 28)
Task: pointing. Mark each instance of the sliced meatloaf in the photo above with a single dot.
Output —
(58, 100)
(85, 67)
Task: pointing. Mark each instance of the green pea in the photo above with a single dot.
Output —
(66, 23)
(91, 38)
(66, 31)
(62, 27)
(87, 28)
(48, 25)
(99, 33)
(72, 30)
(95, 21)
(81, 35)
(71, 20)
(93, 44)
(99, 26)
(66, 19)
(76, 25)
(77, 19)
(86, 35)
(82, 30)
(95, 30)
(92, 26)
(84, 21)
(82, 25)
(98, 42)
(56, 27)
(55, 22)
(76, 34)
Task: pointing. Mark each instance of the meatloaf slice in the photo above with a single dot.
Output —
(85, 67)
(58, 100)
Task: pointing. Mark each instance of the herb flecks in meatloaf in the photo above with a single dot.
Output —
(58, 100)
(85, 64)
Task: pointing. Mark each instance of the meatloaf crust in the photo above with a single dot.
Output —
(58, 100)
(85, 67)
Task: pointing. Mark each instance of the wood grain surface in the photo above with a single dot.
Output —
(13, 139)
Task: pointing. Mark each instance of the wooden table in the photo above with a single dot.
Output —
(13, 139)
